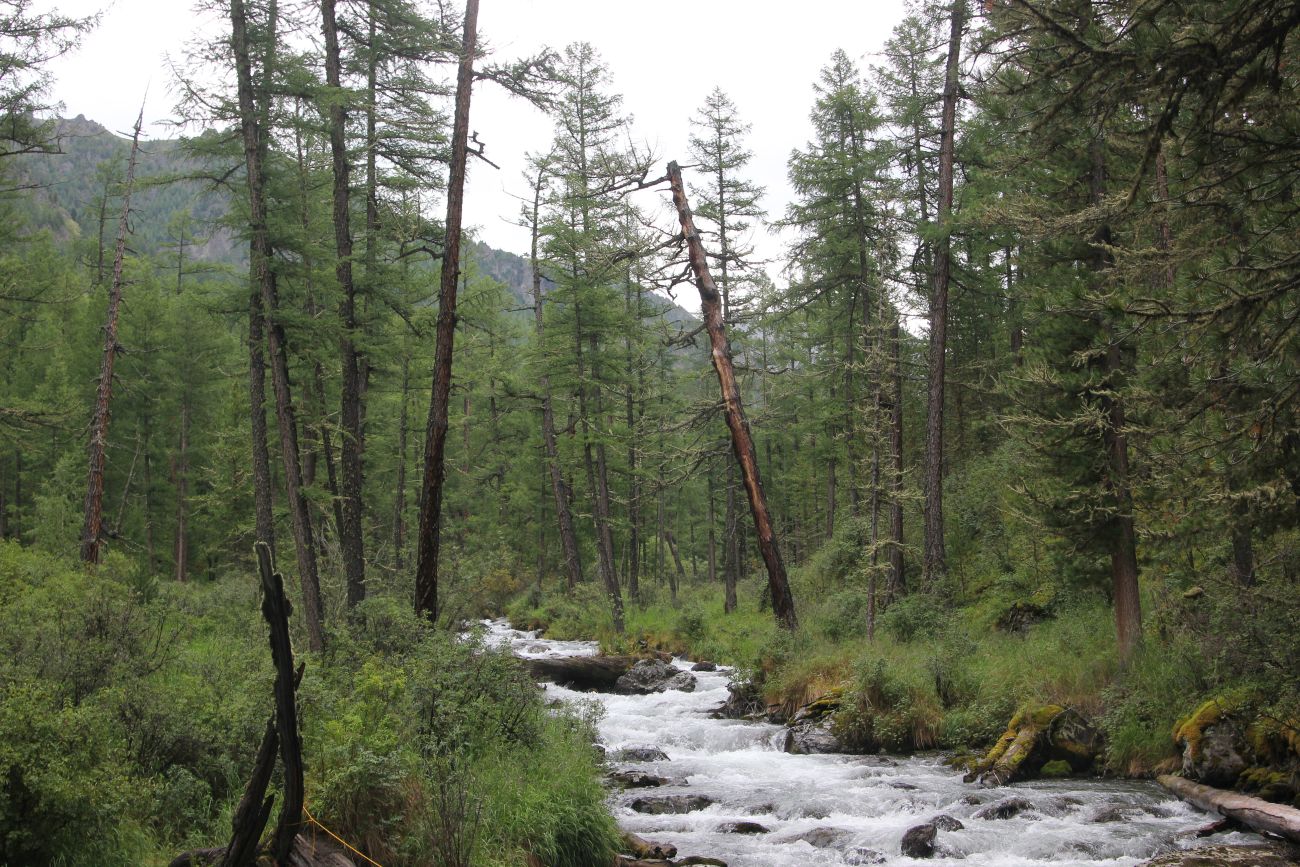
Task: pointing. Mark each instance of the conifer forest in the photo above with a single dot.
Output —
(942, 503)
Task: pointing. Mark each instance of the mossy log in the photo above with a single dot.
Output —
(1254, 813)
(582, 672)
(1035, 737)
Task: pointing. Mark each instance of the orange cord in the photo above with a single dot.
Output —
(344, 843)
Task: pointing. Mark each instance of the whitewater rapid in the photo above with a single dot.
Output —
(872, 799)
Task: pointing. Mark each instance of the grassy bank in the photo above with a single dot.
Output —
(943, 669)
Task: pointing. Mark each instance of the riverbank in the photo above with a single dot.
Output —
(951, 676)
(724, 788)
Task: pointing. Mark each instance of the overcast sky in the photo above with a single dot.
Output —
(664, 57)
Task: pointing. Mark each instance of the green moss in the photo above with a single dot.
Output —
(1188, 731)
(1056, 769)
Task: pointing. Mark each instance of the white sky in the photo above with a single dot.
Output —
(664, 57)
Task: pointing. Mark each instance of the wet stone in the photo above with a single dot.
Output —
(639, 754)
(742, 828)
(944, 822)
(1004, 809)
(637, 779)
(863, 856)
(704, 665)
(918, 842)
(818, 838)
(670, 804)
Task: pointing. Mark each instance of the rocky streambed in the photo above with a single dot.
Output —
(727, 789)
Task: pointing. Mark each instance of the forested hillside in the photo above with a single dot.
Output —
(1014, 433)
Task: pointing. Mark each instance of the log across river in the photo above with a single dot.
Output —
(844, 810)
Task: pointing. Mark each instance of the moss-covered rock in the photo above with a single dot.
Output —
(1036, 736)
(1056, 769)
(1213, 741)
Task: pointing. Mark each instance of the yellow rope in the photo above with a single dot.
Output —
(344, 843)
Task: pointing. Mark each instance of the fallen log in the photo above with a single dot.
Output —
(582, 672)
(1256, 814)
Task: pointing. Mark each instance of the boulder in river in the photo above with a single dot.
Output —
(654, 675)
(643, 848)
(704, 665)
(812, 738)
(944, 822)
(638, 754)
(744, 701)
(818, 838)
(1033, 738)
(1213, 742)
(1004, 809)
(598, 673)
(671, 804)
(742, 828)
(637, 780)
(918, 841)
(863, 856)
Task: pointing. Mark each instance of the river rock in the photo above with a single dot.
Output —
(744, 701)
(818, 838)
(699, 859)
(812, 738)
(918, 842)
(1213, 742)
(654, 675)
(742, 828)
(1112, 813)
(1033, 738)
(643, 848)
(599, 673)
(863, 856)
(1229, 856)
(1004, 809)
(944, 822)
(704, 665)
(639, 754)
(671, 804)
(637, 780)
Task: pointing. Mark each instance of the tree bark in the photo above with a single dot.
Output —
(1121, 535)
(353, 443)
(399, 497)
(741, 441)
(677, 562)
(936, 558)
(435, 470)
(1254, 813)
(897, 576)
(93, 521)
(255, 135)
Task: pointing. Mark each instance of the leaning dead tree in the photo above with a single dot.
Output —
(93, 525)
(286, 845)
(742, 443)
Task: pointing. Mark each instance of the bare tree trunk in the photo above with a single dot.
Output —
(741, 441)
(897, 576)
(435, 470)
(680, 577)
(560, 489)
(399, 498)
(353, 443)
(255, 143)
(92, 525)
(181, 548)
(936, 558)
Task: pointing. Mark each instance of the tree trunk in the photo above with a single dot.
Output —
(1121, 536)
(352, 444)
(936, 558)
(181, 548)
(897, 577)
(1254, 813)
(399, 498)
(741, 441)
(255, 140)
(677, 563)
(435, 470)
(92, 524)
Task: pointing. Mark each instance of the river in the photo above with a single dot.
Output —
(867, 802)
